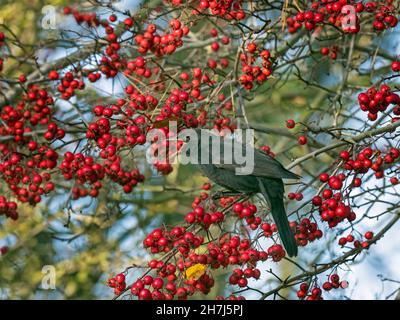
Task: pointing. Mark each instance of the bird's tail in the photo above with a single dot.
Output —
(272, 190)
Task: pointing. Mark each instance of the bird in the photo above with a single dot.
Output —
(266, 178)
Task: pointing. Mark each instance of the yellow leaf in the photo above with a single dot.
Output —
(196, 271)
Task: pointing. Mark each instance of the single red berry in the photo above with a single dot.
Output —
(327, 286)
(396, 66)
(369, 235)
(302, 140)
(53, 75)
(120, 278)
(325, 51)
(290, 124)
(324, 177)
(345, 155)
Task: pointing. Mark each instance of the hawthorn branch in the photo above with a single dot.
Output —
(352, 140)
(343, 259)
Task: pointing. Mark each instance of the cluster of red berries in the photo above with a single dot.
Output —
(149, 288)
(199, 216)
(223, 120)
(308, 18)
(335, 182)
(332, 52)
(33, 111)
(137, 102)
(345, 14)
(192, 83)
(370, 159)
(304, 292)
(69, 84)
(374, 101)
(224, 202)
(334, 283)
(157, 289)
(227, 250)
(163, 240)
(138, 66)
(357, 243)
(25, 171)
(230, 10)
(345, 240)
(306, 231)
(100, 130)
(239, 277)
(162, 44)
(315, 293)
(252, 72)
(247, 211)
(268, 229)
(85, 170)
(332, 208)
(276, 252)
(175, 106)
(90, 19)
(203, 284)
(111, 62)
(118, 283)
(295, 196)
(385, 16)
(232, 250)
(8, 208)
(156, 285)
(24, 178)
(267, 150)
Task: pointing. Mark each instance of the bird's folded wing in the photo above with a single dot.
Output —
(262, 166)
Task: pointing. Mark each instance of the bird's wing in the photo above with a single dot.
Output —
(263, 165)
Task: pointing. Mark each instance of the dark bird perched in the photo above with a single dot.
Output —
(265, 178)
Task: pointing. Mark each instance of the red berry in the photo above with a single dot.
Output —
(369, 235)
(335, 183)
(302, 140)
(324, 177)
(396, 66)
(53, 75)
(290, 124)
(145, 294)
(120, 278)
(325, 51)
